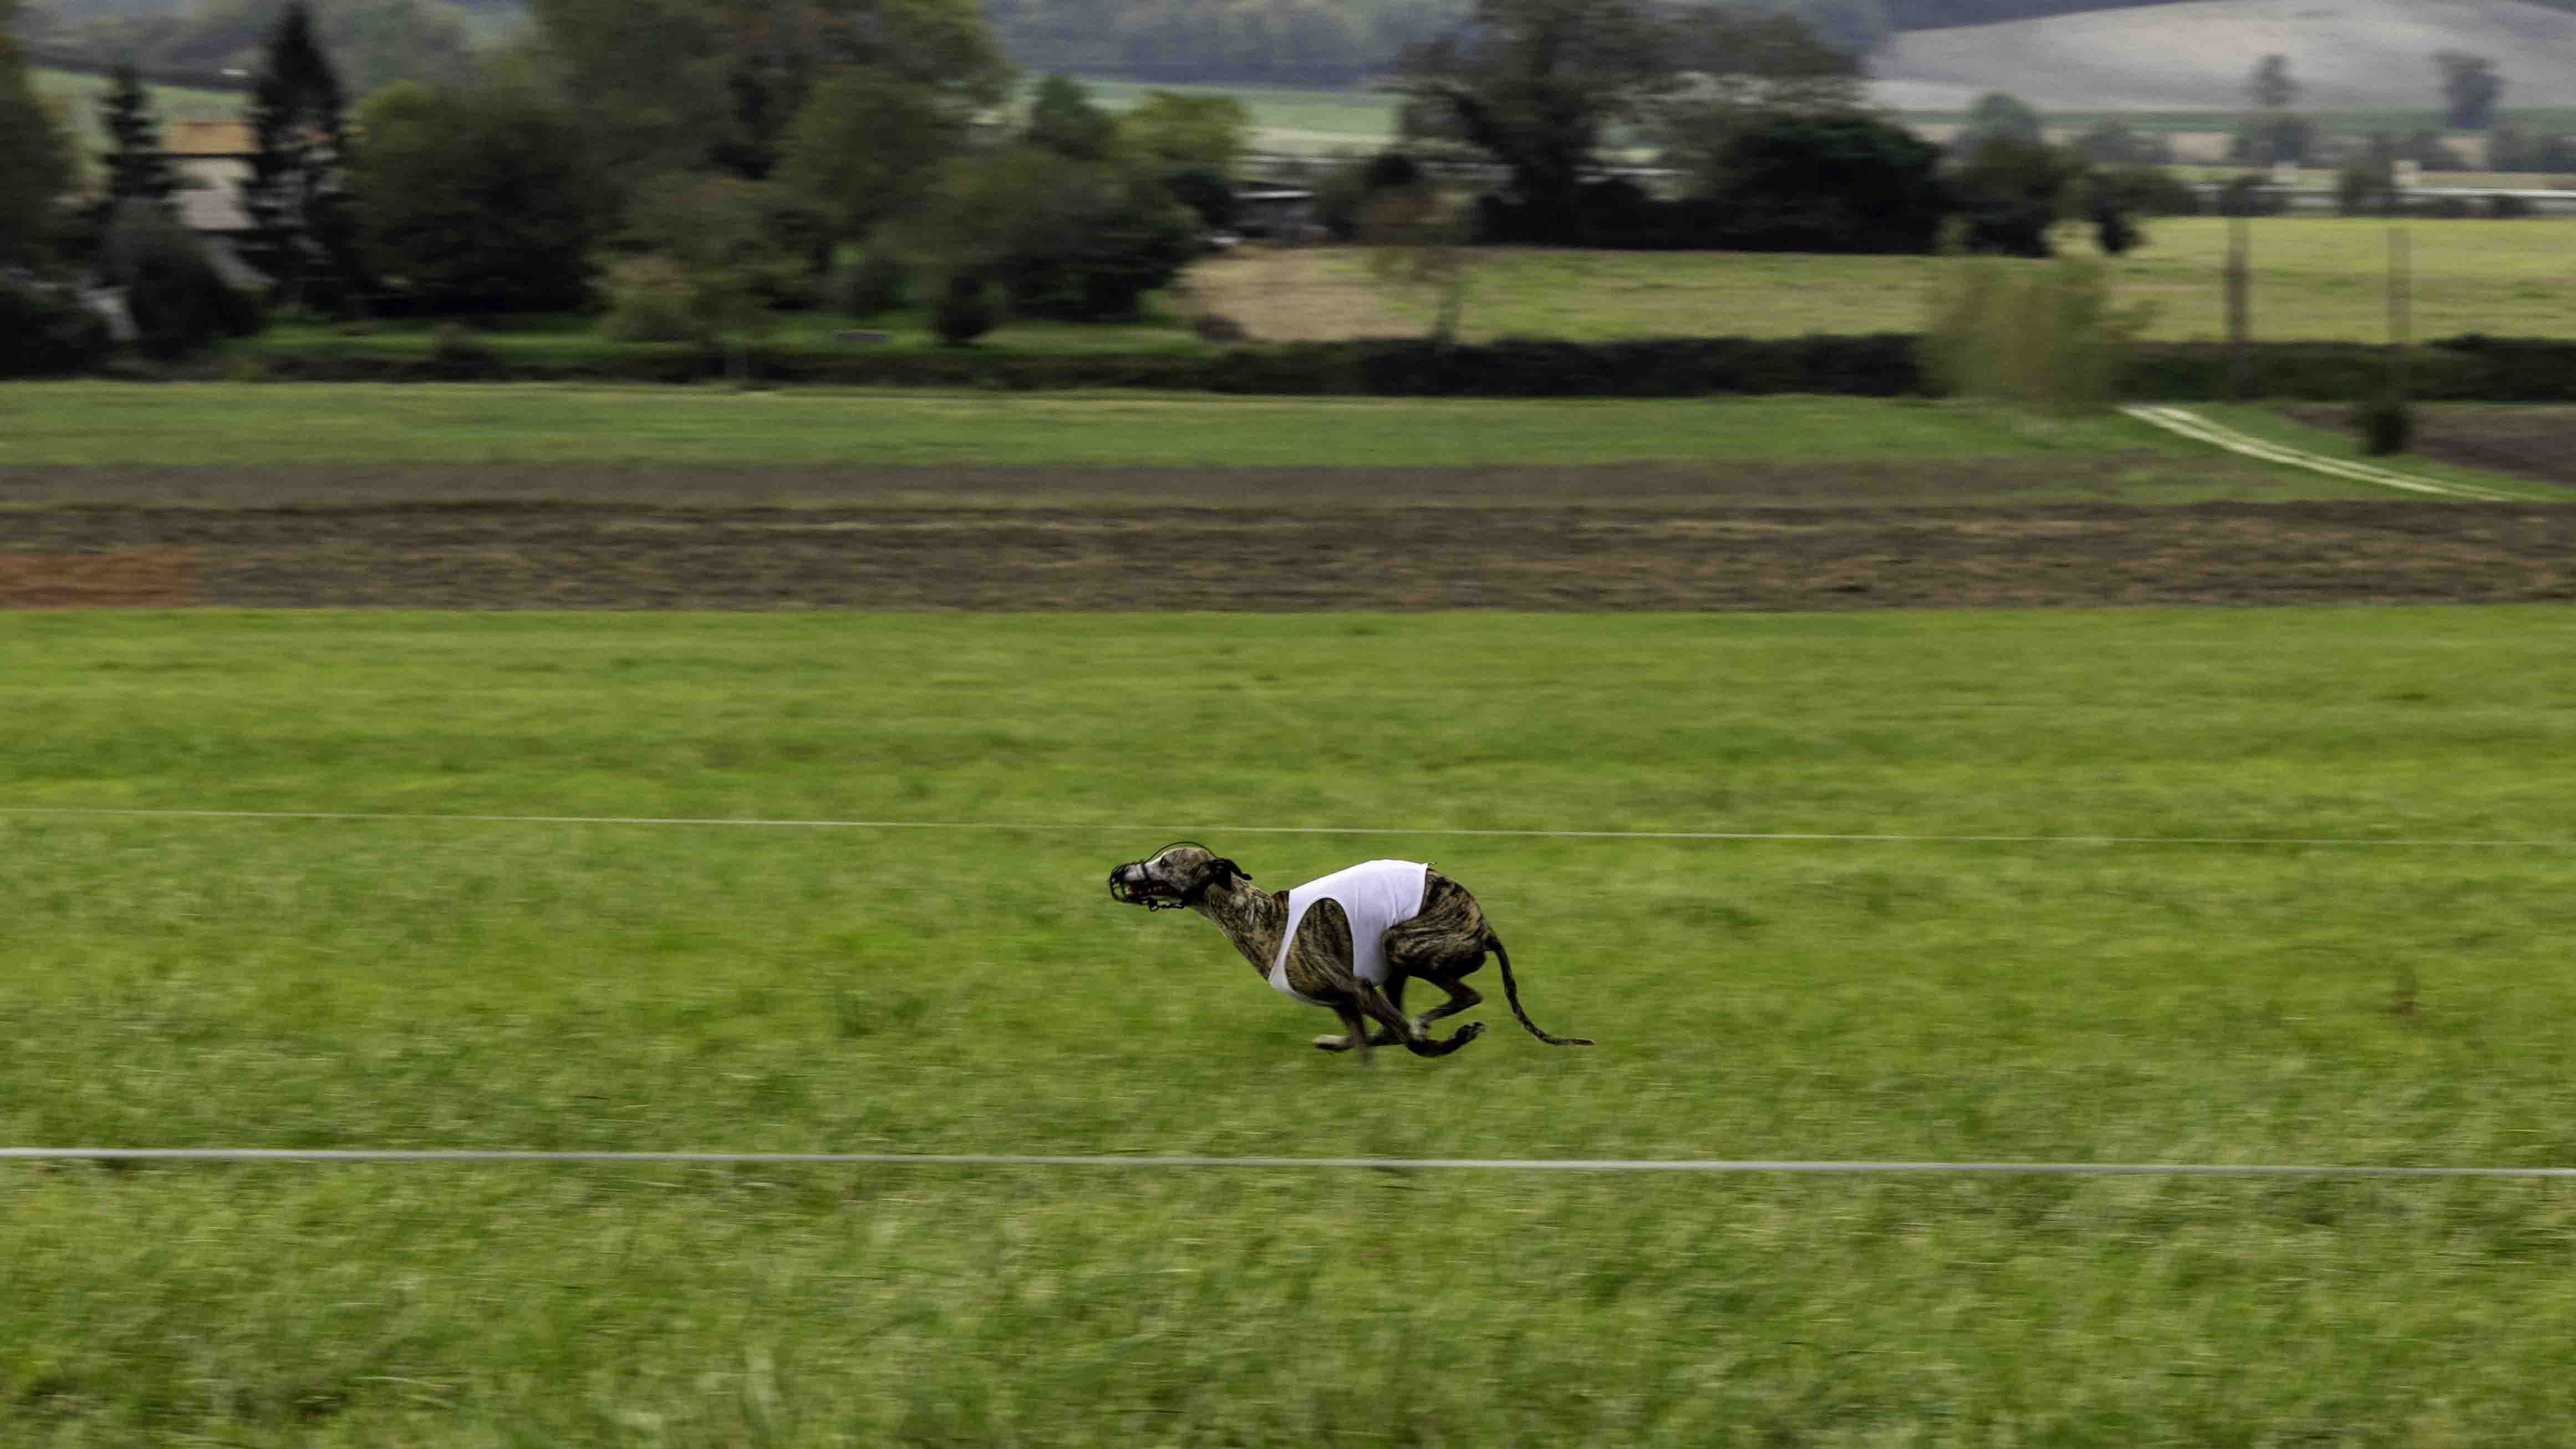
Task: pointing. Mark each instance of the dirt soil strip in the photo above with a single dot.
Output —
(1254, 558)
(649, 486)
(2526, 442)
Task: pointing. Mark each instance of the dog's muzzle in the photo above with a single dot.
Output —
(1132, 885)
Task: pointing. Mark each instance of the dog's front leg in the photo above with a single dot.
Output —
(1355, 1032)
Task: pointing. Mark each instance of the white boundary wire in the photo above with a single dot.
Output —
(1114, 827)
(1383, 1164)
(1389, 1164)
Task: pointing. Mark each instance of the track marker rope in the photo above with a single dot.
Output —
(1387, 1164)
(1112, 827)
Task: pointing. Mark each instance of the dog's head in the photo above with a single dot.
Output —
(1175, 876)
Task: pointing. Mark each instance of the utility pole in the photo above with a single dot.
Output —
(2400, 287)
(2239, 299)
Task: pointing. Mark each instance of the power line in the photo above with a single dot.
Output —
(1115, 827)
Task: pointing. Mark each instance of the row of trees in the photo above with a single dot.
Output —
(701, 167)
(1763, 120)
(703, 162)
(2273, 130)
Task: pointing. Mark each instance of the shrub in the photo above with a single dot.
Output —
(1070, 240)
(649, 301)
(2386, 425)
(2043, 337)
(964, 311)
(454, 353)
(1343, 193)
(45, 330)
(478, 200)
(1217, 327)
(877, 284)
(179, 302)
(1205, 191)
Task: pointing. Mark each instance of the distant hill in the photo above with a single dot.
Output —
(1927, 54)
(2345, 55)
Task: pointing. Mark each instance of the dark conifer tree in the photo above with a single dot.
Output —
(307, 236)
(136, 164)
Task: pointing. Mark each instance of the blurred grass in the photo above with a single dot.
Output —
(423, 983)
(262, 423)
(2315, 278)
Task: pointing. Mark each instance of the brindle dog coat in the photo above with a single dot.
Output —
(1443, 943)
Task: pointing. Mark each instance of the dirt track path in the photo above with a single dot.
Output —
(1248, 558)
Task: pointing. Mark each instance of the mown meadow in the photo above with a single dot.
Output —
(221, 441)
(428, 982)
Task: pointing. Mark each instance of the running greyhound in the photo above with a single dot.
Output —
(1347, 942)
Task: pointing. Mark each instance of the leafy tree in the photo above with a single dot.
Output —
(2113, 144)
(136, 165)
(1536, 85)
(477, 199)
(36, 165)
(2470, 90)
(2046, 338)
(965, 310)
(1828, 183)
(1735, 66)
(706, 265)
(307, 235)
(2279, 136)
(1187, 133)
(1062, 119)
(2010, 192)
(179, 303)
(2510, 148)
(682, 85)
(2367, 184)
(45, 329)
(1994, 117)
(866, 147)
(1064, 239)
(1207, 192)
(2271, 86)
(1418, 245)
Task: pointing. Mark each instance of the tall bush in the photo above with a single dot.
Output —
(2045, 337)
(45, 330)
(180, 303)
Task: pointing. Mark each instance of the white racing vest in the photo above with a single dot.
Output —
(1374, 895)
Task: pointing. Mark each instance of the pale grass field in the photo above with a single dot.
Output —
(2315, 279)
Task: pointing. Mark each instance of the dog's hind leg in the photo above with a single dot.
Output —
(1376, 1003)
(1461, 997)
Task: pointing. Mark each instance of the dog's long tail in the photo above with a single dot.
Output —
(1512, 992)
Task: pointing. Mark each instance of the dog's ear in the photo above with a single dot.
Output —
(1224, 868)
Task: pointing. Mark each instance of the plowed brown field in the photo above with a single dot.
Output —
(1647, 538)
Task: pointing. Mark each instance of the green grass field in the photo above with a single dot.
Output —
(2314, 279)
(237, 423)
(419, 983)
